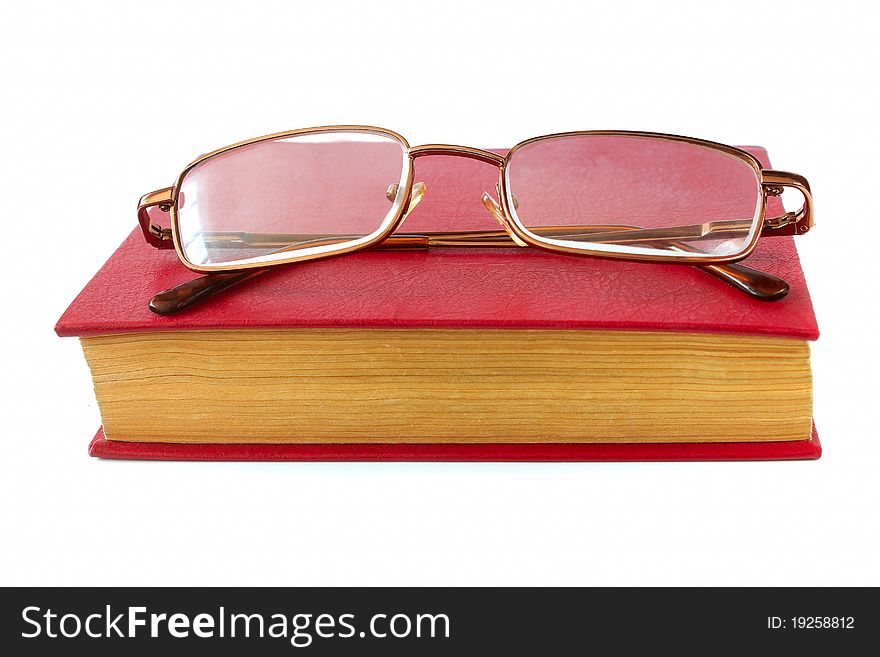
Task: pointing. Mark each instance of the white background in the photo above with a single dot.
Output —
(104, 101)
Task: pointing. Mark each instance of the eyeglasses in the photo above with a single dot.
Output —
(328, 191)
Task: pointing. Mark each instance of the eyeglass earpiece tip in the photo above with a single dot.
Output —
(755, 283)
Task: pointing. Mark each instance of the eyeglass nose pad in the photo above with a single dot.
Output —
(419, 190)
(512, 196)
(495, 210)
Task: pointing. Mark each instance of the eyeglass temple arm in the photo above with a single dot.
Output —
(786, 223)
(753, 282)
(756, 283)
(605, 234)
(774, 182)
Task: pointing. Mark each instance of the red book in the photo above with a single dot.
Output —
(453, 288)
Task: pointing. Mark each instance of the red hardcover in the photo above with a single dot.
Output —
(452, 288)
(762, 451)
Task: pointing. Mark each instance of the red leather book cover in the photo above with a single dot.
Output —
(453, 288)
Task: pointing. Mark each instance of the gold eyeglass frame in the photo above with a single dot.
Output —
(514, 232)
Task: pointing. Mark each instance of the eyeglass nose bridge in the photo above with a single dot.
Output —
(492, 206)
(457, 151)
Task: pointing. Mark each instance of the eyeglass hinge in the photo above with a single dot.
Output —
(783, 220)
(161, 233)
